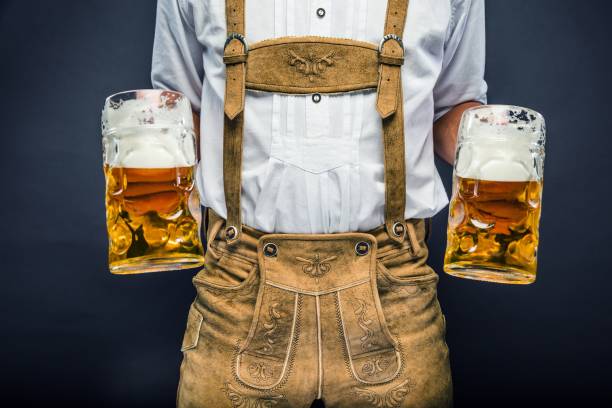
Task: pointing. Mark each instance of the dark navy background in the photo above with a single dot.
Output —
(74, 334)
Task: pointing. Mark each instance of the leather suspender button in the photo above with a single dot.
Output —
(362, 248)
(270, 250)
(321, 12)
(399, 229)
(231, 233)
(316, 98)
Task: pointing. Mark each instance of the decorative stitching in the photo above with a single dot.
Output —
(311, 65)
(317, 292)
(361, 311)
(274, 315)
(290, 360)
(240, 400)
(260, 371)
(353, 87)
(342, 340)
(392, 398)
(316, 267)
(375, 366)
(345, 350)
(313, 39)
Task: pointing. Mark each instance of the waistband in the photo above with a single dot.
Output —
(416, 230)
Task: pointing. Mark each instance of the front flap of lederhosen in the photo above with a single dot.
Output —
(340, 265)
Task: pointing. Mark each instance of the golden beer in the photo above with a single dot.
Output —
(494, 225)
(152, 207)
(494, 212)
(148, 217)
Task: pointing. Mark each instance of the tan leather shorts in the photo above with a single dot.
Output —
(282, 319)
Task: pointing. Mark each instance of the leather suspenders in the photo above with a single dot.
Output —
(234, 56)
(390, 104)
(300, 65)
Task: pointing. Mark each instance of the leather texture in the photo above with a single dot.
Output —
(232, 171)
(298, 65)
(389, 103)
(234, 56)
(312, 317)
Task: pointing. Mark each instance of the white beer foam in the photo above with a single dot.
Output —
(489, 155)
(152, 148)
(140, 133)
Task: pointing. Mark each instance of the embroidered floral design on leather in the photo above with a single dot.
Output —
(239, 400)
(345, 351)
(274, 315)
(361, 311)
(316, 267)
(311, 65)
(375, 366)
(295, 341)
(261, 371)
(393, 398)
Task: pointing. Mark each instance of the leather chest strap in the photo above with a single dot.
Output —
(311, 64)
(234, 57)
(389, 104)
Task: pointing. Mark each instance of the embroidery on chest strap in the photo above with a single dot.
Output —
(311, 65)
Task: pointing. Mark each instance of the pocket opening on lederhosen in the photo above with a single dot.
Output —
(406, 263)
(192, 331)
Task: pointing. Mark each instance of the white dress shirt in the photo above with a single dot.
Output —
(318, 167)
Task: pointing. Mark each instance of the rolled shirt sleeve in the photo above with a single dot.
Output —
(177, 54)
(462, 75)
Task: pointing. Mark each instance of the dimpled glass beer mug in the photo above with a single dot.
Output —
(149, 163)
(497, 190)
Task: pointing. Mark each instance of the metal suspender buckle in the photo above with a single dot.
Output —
(391, 59)
(234, 57)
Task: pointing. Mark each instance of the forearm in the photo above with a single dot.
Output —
(445, 131)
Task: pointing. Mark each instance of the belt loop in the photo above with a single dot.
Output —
(204, 227)
(413, 236)
(391, 57)
(235, 52)
(212, 233)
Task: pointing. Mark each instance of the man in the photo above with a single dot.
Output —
(319, 124)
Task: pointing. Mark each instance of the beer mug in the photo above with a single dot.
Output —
(152, 208)
(494, 211)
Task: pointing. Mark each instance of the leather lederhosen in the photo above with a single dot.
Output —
(282, 319)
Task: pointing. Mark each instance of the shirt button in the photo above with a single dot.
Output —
(316, 98)
(321, 12)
